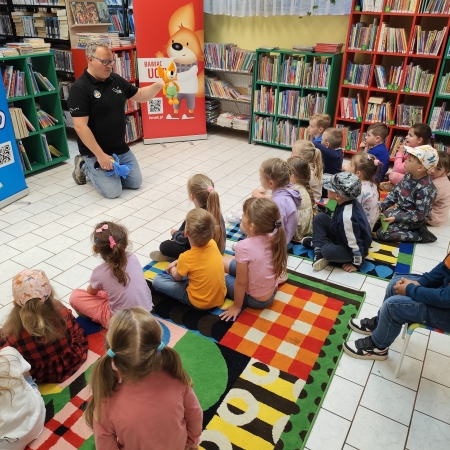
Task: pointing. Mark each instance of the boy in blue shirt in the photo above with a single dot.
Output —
(318, 123)
(375, 137)
(410, 299)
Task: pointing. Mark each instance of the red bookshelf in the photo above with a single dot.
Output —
(403, 56)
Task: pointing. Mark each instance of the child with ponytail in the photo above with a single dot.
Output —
(202, 193)
(300, 176)
(139, 377)
(367, 168)
(42, 330)
(116, 284)
(313, 156)
(259, 260)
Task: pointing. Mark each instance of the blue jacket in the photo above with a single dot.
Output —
(381, 152)
(434, 286)
(332, 158)
(350, 227)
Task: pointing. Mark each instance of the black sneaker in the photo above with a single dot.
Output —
(363, 326)
(319, 262)
(425, 235)
(365, 349)
(78, 175)
(307, 242)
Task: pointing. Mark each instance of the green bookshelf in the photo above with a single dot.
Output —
(442, 138)
(290, 86)
(49, 101)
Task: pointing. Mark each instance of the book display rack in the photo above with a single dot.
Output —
(41, 111)
(391, 65)
(289, 87)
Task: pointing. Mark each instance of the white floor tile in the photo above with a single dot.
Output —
(74, 277)
(16, 216)
(32, 257)
(422, 265)
(80, 232)
(372, 431)
(439, 343)
(85, 246)
(374, 294)
(430, 251)
(377, 282)
(355, 370)
(353, 280)
(328, 428)
(91, 262)
(21, 228)
(26, 242)
(9, 269)
(161, 224)
(5, 237)
(142, 236)
(120, 212)
(44, 218)
(417, 346)
(437, 368)
(307, 269)
(65, 259)
(5, 293)
(57, 243)
(60, 290)
(389, 399)
(427, 433)
(50, 230)
(49, 270)
(293, 262)
(433, 399)
(71, 220)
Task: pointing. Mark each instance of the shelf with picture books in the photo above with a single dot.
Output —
(289, 87)
(391, 66)
(35, 109)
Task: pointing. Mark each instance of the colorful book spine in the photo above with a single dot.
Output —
(312, 104)
(264, 129)
(286, 133)
(264, 100)
(408, 115)
(268, 68)
(357, 74)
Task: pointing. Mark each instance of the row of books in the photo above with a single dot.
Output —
(288, 103)
(268, 68)
(317, 74)
(442, 147)
(49, 149)
(21, 125)
(444, 85)
(212, 107)
(38, 81)
(215, 87)
(350, 137)
(63, 60)
(117, 22)
(24, 23)
(286, 133)
(14, 82)
(370, 5)
(228, 57)
(406, 6)
(6, 25)
(351, 108)
(133, 128)
(264, 100)
(122, 65)
(45, 119)
(408, 115)
(440, 118)
(303, 134)
(64, 89)
(234, 120)
(131, 105)
(24, 160)
(392, 81)
(39, 2)
(263, 129)
(291, 70)
(427, 42)
(401, 5)
(90, 12)
(357, 74)
(111, 38)
(363, 36)
(392, 40)
(378, 110)
(312, 104)
(23, 48)
(417, 79)
(435, 6)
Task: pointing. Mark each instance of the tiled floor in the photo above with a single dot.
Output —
(365, 408)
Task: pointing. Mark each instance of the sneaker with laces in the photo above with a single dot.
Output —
(78, 175)
(364, 348)
(363, 326)
(158, 256)
(319, 262)
(307, 242)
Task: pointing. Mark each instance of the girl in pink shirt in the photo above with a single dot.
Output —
(418, 134)
(439, 177)
(142, 397)
(116, 284)
(259, 259)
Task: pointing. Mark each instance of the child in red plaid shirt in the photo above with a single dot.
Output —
(42, 330)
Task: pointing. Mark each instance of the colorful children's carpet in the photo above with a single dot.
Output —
(384, 259)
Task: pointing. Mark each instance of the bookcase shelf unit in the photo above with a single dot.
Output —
(372, 56)
(49, 101)
(441, 136)
(79, 64)
(299, 90)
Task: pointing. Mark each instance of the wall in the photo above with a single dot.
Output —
(281, 31)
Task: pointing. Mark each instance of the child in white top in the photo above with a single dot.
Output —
(22, 410)
(259, 259)
(116, 284)
(367, 168)
(300, 175)
(313, 156)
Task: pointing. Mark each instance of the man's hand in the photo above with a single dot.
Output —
(231, 313)
(105, 161)
(400, 287)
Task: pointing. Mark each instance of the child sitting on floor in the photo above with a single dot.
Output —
(418, 135)
(197, 277)
(346, 237)
(306, 151)
(374, 141)
(408, 205)
(259, 259)
(332, 155)
(43, 331)
(300, 174)
(22, 410)
(318, 123)
(116, 284)
(275, 176)
(139, 377)
(439, 177)
(409, 299)
(202, 193)
(367, 168)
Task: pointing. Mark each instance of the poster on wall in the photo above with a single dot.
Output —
(169, 42)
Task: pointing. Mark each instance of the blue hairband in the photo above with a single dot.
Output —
(110, 353)
(161, 346)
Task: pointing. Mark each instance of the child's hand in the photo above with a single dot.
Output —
(258, 192)
(401, 150)
(171, 265)
(349, 267)
(389, 220)
(363, 146)
(173, 231)
(231, 313)
(400, 287)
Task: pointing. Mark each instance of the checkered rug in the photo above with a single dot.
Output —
(384, 259)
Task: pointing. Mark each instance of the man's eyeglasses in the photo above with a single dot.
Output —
(106, 62)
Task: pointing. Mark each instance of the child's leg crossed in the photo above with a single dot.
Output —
(96, 307)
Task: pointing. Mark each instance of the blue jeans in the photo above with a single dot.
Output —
(400, 309)
(111, 187)
(31, 382)
(163, 282)
(249, 301)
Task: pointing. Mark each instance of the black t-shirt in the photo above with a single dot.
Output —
(104, 103)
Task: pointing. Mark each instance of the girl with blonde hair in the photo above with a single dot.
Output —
(141, 395)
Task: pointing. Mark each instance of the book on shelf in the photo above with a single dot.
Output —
(312, 104)
(47, 153)
(317, 74)
(24, 23)
(86, 12)
(39, 2)
(234, 120)
(122, 65)
(132, 129)
(264, 100)
(212, 107)
(117, 22)
(286, 133)
(228, 57)
(378, 110)
(288, 103)
(392, 40)
(434, 7)
(5, 52)
(111, 38)
(328, 48)
(351, 107)
(14, 82)
(263, 129)
(303, 134)
(444, 85)
(370, 5)
(214, 87)
(417, 80)
(26, 165)
(427, 42)
(45, 119)
(350, 137)
(357, 74)
(43, 82)
(24, 48)
(390, 82)
(363, 36)
(291, 70)
(38, 45)
(6, 27)
(397, 140)
(440, 118)
(19, 123)
(442, 147)
(408, 115)
(405, 6)
(114, 2)
(268, 68)
(303, 48)
(131, 105)
(54, 151)
(63, 60)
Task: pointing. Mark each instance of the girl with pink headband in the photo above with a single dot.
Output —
(116, 284)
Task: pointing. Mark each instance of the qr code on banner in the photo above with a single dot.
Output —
(6, 154)
(155, 106)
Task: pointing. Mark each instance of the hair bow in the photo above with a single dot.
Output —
(104, 227)
(112, 242)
